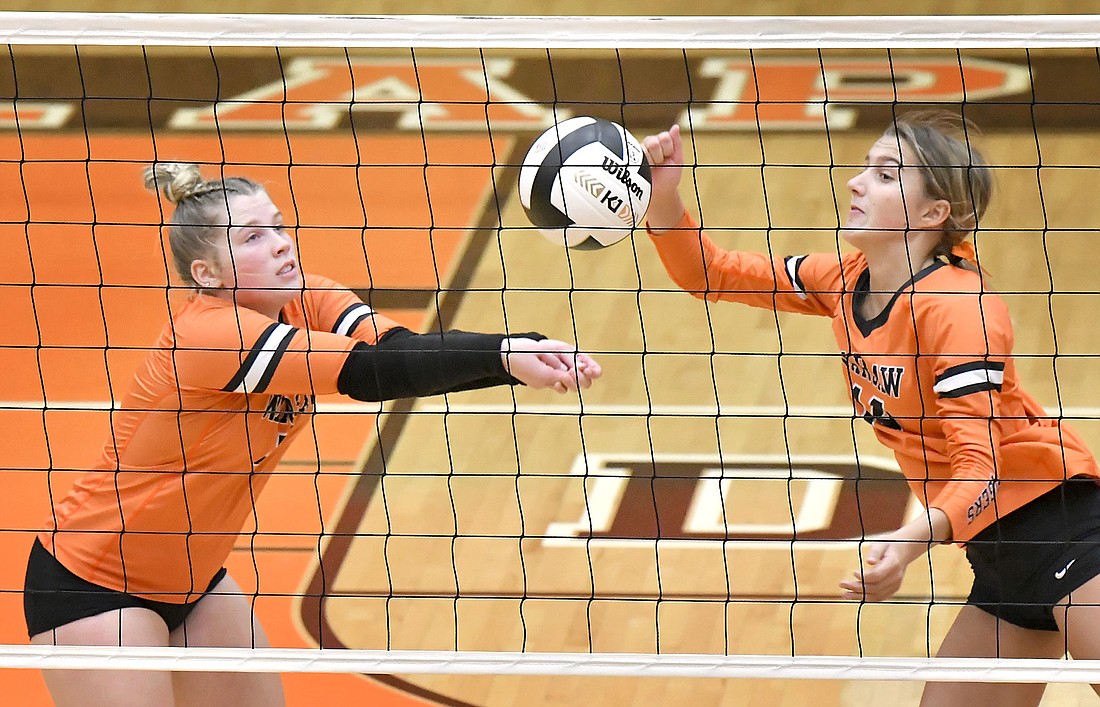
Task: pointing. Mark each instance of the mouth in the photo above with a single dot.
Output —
(287, 269)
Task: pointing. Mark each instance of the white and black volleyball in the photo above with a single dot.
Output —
(585, 183)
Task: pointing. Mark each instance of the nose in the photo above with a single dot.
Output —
(855, 184)
(283, 242)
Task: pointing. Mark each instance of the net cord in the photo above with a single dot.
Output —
(443, 31)
(400, 662)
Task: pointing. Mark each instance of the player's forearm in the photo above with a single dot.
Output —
(405, 365)
(665, 212)
(931, 527)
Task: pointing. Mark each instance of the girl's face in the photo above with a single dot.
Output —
(258, 266)
(889, 200)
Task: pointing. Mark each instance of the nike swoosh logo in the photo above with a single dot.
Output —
(1062, 572)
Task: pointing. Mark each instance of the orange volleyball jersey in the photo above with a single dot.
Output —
(933, 373)
(208, 416)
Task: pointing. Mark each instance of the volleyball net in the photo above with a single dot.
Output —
(691, 515)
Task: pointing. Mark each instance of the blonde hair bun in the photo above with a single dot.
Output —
(175, 180)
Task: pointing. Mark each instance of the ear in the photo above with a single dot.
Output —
(205, 274)
(936, 214)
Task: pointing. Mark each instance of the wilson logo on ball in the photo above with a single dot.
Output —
(585, 183)
(623, 175)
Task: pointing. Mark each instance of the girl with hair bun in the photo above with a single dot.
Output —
(133, 555)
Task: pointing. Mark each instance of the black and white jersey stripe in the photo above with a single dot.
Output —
(262, 360)
(971, 377)
(350, 318)
(792, 263)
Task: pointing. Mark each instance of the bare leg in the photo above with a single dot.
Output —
(977, 634)
(110, 688)
(1078, 615)
(223, 618)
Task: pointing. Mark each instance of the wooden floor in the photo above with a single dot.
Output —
(508, 520)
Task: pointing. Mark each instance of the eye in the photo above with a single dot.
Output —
(251, 236)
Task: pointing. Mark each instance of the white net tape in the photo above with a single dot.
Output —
(150, 29)
(300, 660)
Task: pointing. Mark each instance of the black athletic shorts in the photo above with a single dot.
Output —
(53, 596)
(1032, 558)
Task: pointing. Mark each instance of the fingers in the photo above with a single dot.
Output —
(868, 592)
(550, 364)
(573, 361)
(663, 146)
(876, 553)
(562, 382)
(878, 580)
(865, 583)
(576, 377)
(860, 589)
(588, 366)
(554, 360)
(565, 357)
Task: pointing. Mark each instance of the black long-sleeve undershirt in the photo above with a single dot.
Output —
(406, 365)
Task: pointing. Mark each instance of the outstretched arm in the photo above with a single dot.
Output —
(807, 285)
(403, 364)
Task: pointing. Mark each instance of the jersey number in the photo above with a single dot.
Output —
(874, 412)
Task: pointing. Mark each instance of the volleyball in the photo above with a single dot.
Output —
(585, 183)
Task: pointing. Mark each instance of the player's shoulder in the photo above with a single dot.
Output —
(214, 323)
(952, 291)
(323, 294)
(834, 272)
(839, 263)
(946, 282)
(312, 282)
(319, 292)
(954, 278)
(853, 264)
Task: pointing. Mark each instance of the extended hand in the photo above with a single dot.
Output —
(548, 364)
(665, 152)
